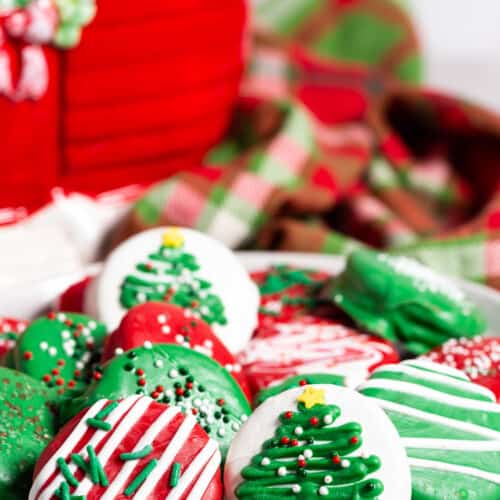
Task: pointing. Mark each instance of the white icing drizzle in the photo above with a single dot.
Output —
(167, 457)
(436, 368)
(206, 477)
(465, 386)
(431, 394)
(116, 437)
(65, 449)
(451, 444)
(437, 419)
(195, 467)
(456, 469)
(149, 436)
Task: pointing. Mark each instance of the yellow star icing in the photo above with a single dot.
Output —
(173, 238)
(311, 397)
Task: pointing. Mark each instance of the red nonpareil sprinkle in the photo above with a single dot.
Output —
(303, 382)
(77, 334)
(139, 372)
(61, 362)
(80, 326)
(71, 384)
(97, 375)
(314, 420)
(149, 266)
(55, 371)
(179, 391)
(51, 315)
(141, 382)
(354, 440)
(47, 378)
(336, 459)
(301, 462)
(194, 411)
(221, 402)
(189, 385)
(60, 381)
(28, 355)
(294, 442)
(60, 391)
(160, 388)
(194, 303)
(77, 373)
(288, 415)
(155, 394)
(285, 440)
(68, 322)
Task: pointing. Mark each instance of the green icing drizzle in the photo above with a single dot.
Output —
(401, 300)
(170, 275)
(310, 458)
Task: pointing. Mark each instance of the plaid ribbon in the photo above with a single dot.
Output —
(325, 156)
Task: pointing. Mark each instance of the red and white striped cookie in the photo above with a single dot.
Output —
(312, 345)
(478, 358)
(134, 448)
(161, 323)
(10, 329)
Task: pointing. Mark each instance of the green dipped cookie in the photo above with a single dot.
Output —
(59, 350)
(26, 427)
(399, 299)
(175, 375)
(299, 381)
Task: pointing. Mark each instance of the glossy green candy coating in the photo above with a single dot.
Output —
(401, 300)
(174, 375)
(26, 427)
(297, 381)
(59, 349)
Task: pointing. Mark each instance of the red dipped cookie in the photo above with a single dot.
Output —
(72, 298)
(161, 323)
(10, 329)
(134, 448)
(477, 357)
(287, 293)
(313, 345)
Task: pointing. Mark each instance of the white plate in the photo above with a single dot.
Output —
(28, 302)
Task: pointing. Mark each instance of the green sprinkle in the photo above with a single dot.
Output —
(63, 492)
(67, 474)
(102, 476)
(135, 455)
(106, 411)
(175, 474)
(93, 422)
(93, 469)
(140, 478)
(80, 462)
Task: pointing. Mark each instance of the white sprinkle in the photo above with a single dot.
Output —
(92, 325)
(80, 365)
(244, 418)
(221, 432)
(148, 344)
(308, 453)
(141, 297)
(118, 351)
(296, 488)
(173, 373)
(208, 343)
(158, 363)
(328, 479)
(52, 351)
(345, 463)
(235, 426)
(61, 317)
(298, 430)
(160, 288)
(179, 338)
(229, 367)
(65, 334)
(162, 318)
(323, 491)
(281, 471)
(44, 346)
(327, 419)
(165, 329)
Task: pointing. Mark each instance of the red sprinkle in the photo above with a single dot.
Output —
(189, 385)
(139, 372)
(221, 402)
(314, 421)
(97, 375)
(301, 462)
(155, 395)
(61, 362)
(303, 382)
(354, 440)
(336, 459)
(60, 381)
(68, 322)
(194, 411)
(288, 415)
(141, 382)
(179, 391)
(159, 388)
(47, 378)
(77, 373)
(294, 442)
(71, 383)
(285, 440)
(55, 371)
(51, 315)
(28, 355)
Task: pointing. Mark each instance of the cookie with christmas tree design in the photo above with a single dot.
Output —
(27, 424)
(135, 448)
(59, 349)
(10, 329)
(400, 299)
(182, 267)
(449, 426)
(160, 323)
(175, 375)
(317, 441)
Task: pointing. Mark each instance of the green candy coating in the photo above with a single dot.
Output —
(296, 381)
(26, 427)
(401, 300)
(59, 350)
(174, 375)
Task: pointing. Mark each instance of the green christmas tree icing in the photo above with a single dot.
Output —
(171, 275)
(309, 457)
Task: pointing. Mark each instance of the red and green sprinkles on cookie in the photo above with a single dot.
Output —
(59, 349)
(146, 450)
(173, 375)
